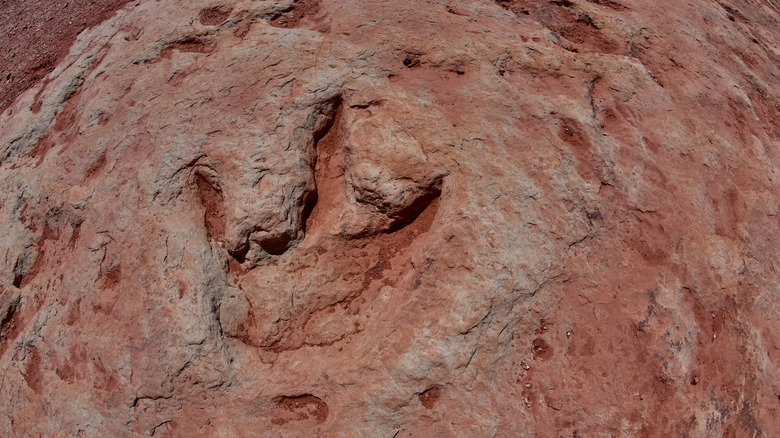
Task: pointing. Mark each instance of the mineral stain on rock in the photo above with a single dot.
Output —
(569, 21)
(300, 408)
(213, 206)
(293, 17)
(214, 16)
(328, 173)
(32, 369)
(188, 45)
(541, 349)
(429, 397)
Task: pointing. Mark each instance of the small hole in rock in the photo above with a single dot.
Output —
(411, 61)
(276, 245)
(18, 280)
(308, 208)
(240, 253)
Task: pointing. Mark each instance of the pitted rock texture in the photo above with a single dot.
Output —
(404, 219)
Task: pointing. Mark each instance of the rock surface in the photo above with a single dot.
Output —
(429, 219)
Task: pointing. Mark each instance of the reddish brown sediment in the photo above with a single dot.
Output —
(507, 218)
(37, 35)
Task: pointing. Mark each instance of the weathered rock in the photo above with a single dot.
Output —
(351, 218)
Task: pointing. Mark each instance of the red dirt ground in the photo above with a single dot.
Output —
(36, 35)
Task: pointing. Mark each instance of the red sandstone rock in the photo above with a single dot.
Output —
(346, 218)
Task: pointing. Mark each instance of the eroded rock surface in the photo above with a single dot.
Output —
(359, 218)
